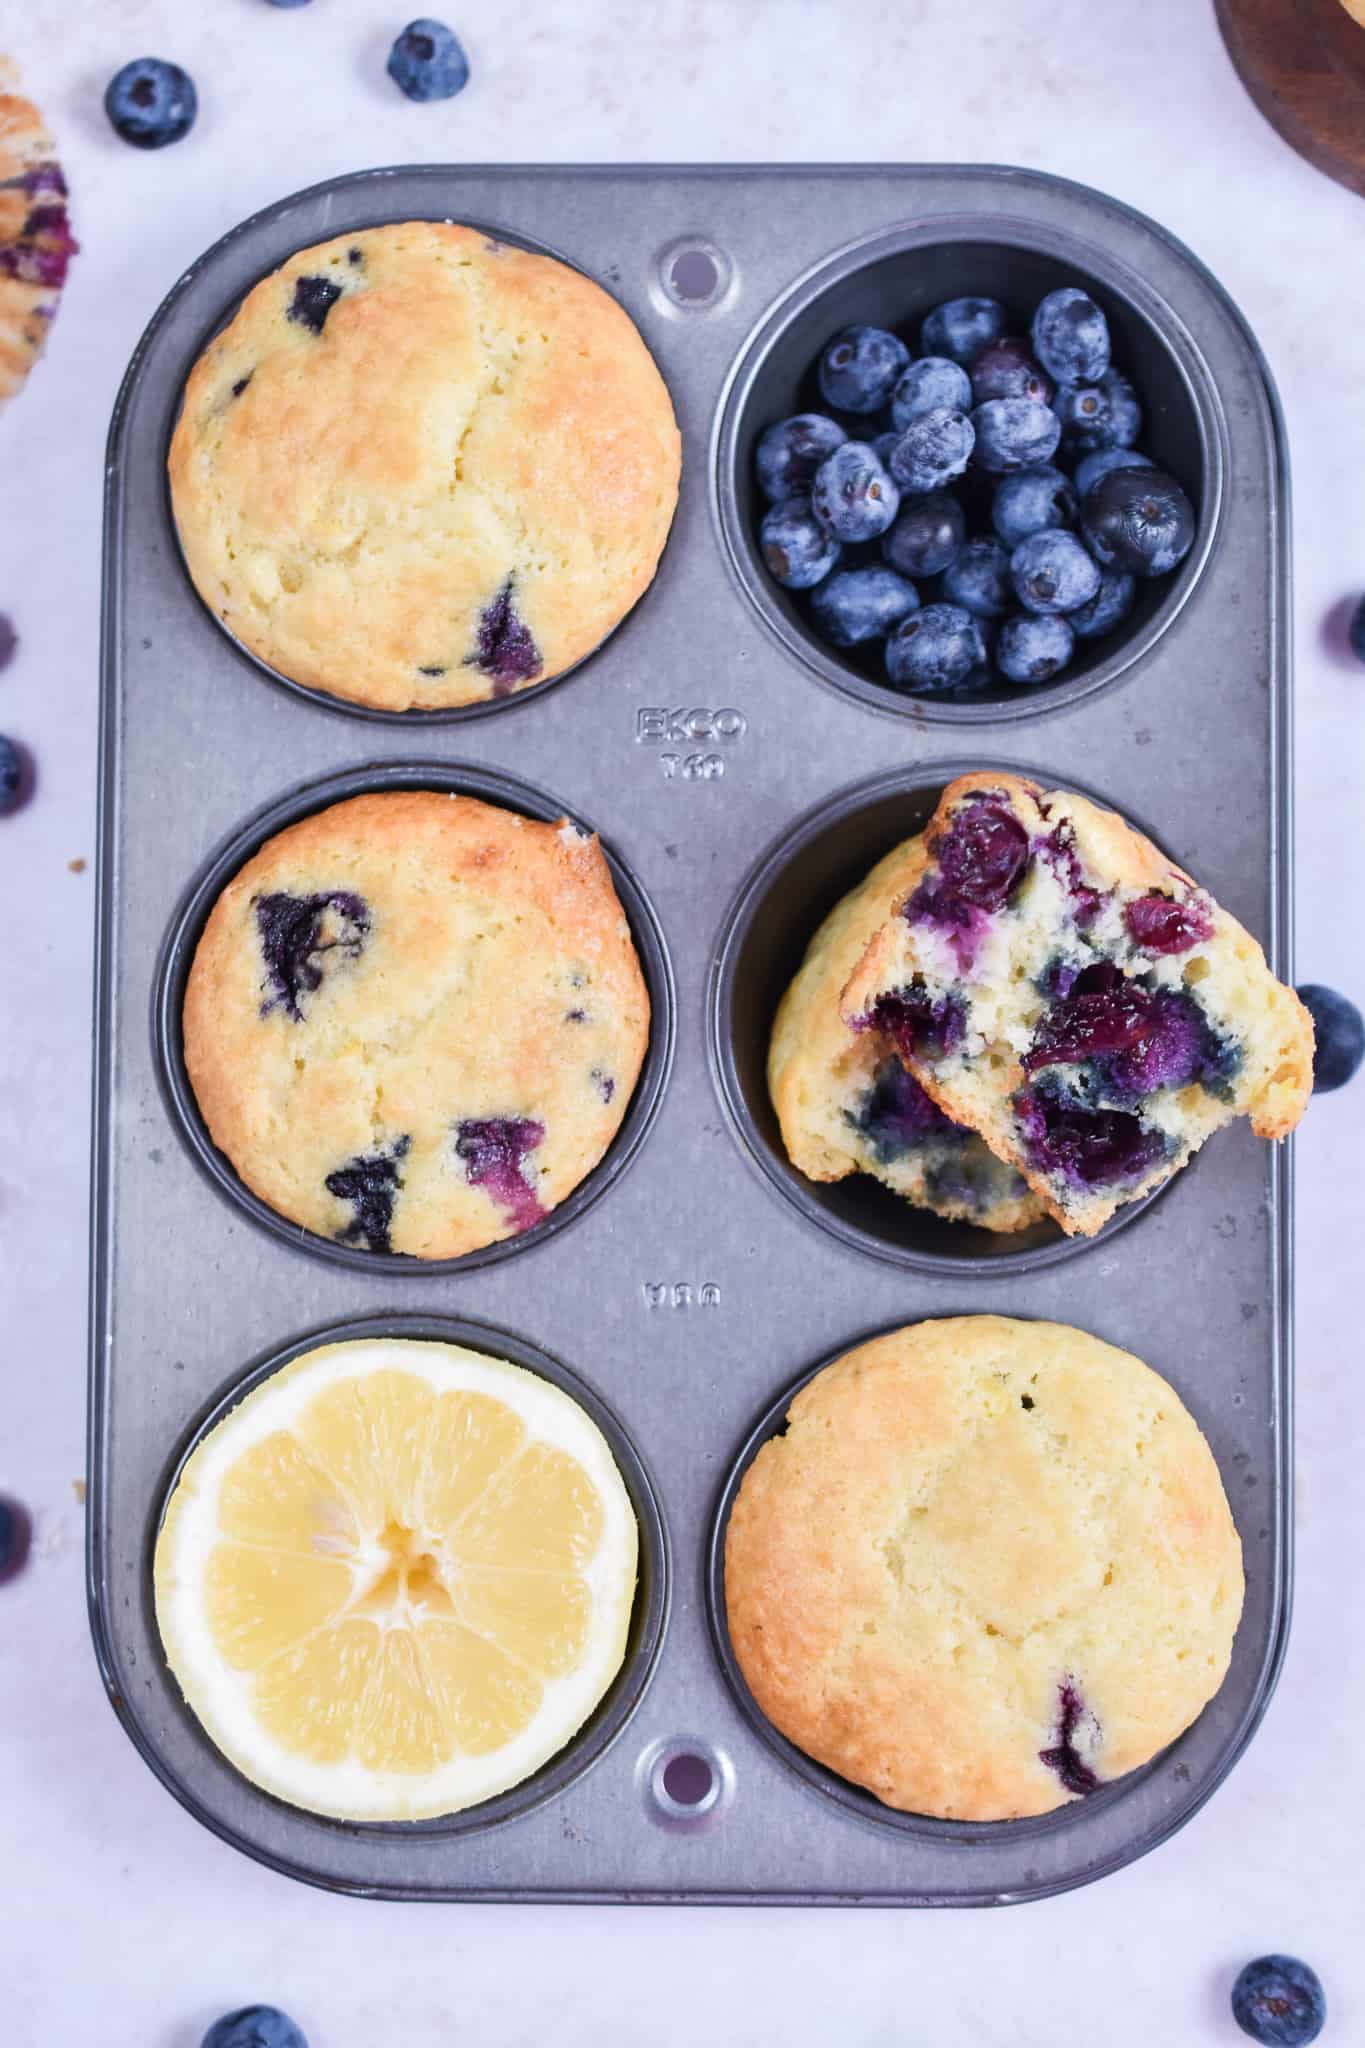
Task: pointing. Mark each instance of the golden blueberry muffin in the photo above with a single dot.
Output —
(989, 1567)
(420, 468)
(1055, 983)
(36, 243)
(414, 1021)
(847, 1103)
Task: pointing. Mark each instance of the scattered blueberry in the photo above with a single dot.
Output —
(1356, 631)
(1108, 608)
(1031, 500)
(255, 2026)
(506, 651)
(1033, 649)
(855, 605)
(859, 368)
(1008, 368)
(13, 780)
(931, 382)
(895, 1113)
(1015, 433)
(297, 932)
(883, 444)
(789, 454)
(935, 448)
(935, 649)
(1279, 2001)
(1161, 925)
(1340, 1033)
(979, 578)
(151, 103)
(313, 300)
(1091, 468)
(926, 536)
(493, 1149)
(1070, 337)
(428, 62)
(16, 1533)
(796, 547)
(1138, 519)
(1064, 1758)
(1099, 416)
(1051, 572)
(370, 1184)
(853, 497)
(962, 328)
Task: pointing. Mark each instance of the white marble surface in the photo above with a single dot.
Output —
(121, 1921)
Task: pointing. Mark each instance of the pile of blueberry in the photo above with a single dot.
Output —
(979, 507)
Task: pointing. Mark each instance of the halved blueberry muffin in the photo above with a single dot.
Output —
(988, 1567)
(1060, 986)
(414, 1021)
(36, 243)
(847, 1103)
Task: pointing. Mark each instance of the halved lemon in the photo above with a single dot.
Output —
(396, 1578)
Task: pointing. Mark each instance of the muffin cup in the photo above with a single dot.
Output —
(893, 279)
(177, 956)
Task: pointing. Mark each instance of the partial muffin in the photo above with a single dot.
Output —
(989, 1567)
(36, 243)
(847, 1103)
(414, 1021)
(420, 468)
(1055, 983)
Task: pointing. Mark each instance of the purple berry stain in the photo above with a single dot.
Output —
(1089, 1147)
(1064, 1758)
(1060, 848)
(313, 300)
(45, 243)
(1159, 925)
(370, 1184)
(506, 651)
(296, 932)
(915, 1022)
(493, 1149)
(605, 1084)
(895, 1114)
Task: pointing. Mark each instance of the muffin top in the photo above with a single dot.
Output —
(420, 468)
(414, 1021)
(989, 1567)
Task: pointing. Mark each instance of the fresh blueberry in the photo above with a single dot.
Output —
(796, 548)
(255, 2026)
(862, 604)
(931, 382)
(428, 62)
(1280, 2001)
(1015, 433)
(853, 497)
(14, 778)
(789, 454)
(1009, 369)
(859, 368)
(151, 103)
(1071, 337)
(1099, 416)
(926, 536)
(979, 579)
(882, 444)
(1091, 468)
(287, 3)
(1033, 649)
(1356, 631)
(16, 1532)
(962, 328)
(506, 649)
(1138, 519)
(1108, 608)
(935, 649)
(935, 448)
(1030, 501)
(1051, 572)
(1340, 1032)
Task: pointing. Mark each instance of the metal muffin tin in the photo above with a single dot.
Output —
(711, 740)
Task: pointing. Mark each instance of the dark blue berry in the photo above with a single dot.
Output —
(852, 496)
(506, 651)
(1015, 433)
(1091, 468)
(1138, 519)
(1009, 369)
(9, 639)
(1339, 1030)
(859, 368)
(151, 103)
(1279, 2001)
(14, 777)
(255, 2026)
(1051, 572)
(855, 605)
(370, 1184)
(926, 536)
(296, 935)
(16, 1533)
(1356, 631)
(796, 548)
(935, 448)
(1033, 649)
(931, 382)
(980, 579)
(1071, 337)
(428, 62)
(1099, 416)
(895, 1114)
(789, 454)
(1108, 608)
(313, 300)
(962, 328)
(935, 649)
(1030, 501)
(1064, 1758)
